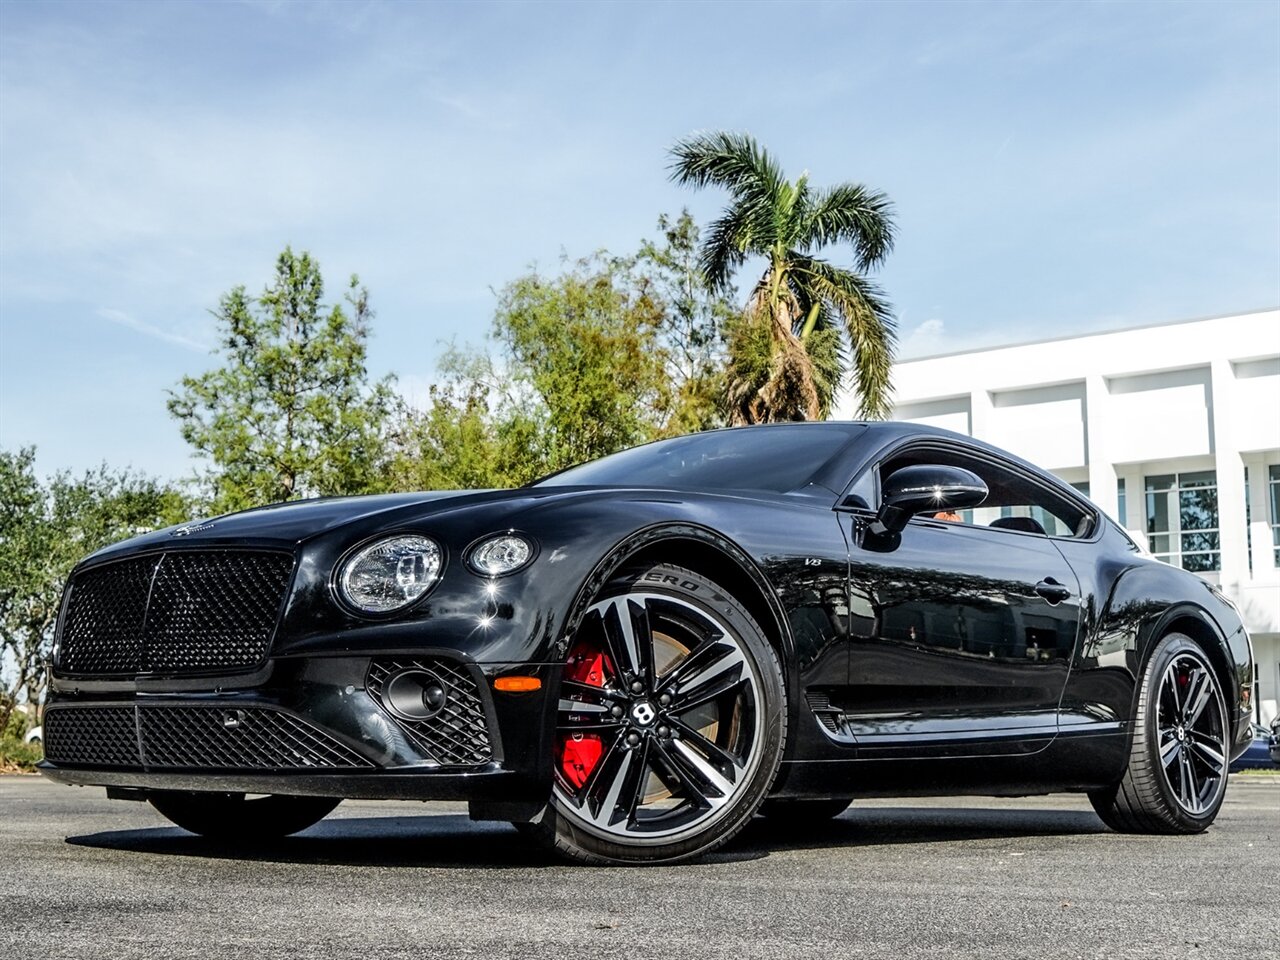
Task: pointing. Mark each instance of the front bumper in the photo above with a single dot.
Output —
(316, 726)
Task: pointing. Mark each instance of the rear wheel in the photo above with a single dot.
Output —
(1177, 773)
(233, 816)
(670, 726)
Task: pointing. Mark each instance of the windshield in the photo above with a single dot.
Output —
(774, 458)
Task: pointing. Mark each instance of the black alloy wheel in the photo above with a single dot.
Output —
(1177, 773)
(670, 726)
(237, 818)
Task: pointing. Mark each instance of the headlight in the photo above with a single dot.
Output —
(390, 574)
(500, 555)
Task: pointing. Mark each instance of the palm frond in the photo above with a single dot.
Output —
(868, 323)
(849, 212)
(793, 215)
(725, 247)
(730, 160)
(826, 352)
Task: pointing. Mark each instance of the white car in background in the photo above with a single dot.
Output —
(34, 735)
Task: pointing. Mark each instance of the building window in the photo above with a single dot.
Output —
(1248, 522)
(1182, 520)
(1273, 486)
(1122, 509)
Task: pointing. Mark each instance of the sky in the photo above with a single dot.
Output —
(1056, 168)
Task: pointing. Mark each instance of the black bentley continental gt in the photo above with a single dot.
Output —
(632, 658)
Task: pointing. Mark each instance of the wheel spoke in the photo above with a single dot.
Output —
(631, 651)
(689, 785)
(632, 791)
(580, 692)
(683, 703)
(1172, 685)
(718, 756)
(694, 677)
(600, 793)
(1170, 752)
(1168, 701)
(1189, 791)
(586, 708)
(705, 771)
(583, 722)
(1208, 752)
(704, 656)
(1199, 692)
(643, 632)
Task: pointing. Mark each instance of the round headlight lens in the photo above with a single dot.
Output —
(500, 555)
(390, 573)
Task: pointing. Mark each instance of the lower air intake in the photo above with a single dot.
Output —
(451, 729)
(157, 737)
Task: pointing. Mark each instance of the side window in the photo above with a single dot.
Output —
(1015, 501)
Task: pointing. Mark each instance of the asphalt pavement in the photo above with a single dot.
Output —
(84, 877)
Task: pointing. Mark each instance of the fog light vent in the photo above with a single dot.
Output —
(437, 702)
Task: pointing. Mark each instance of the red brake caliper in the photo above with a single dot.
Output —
(580, 752)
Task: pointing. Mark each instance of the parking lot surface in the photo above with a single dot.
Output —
(1038, 877)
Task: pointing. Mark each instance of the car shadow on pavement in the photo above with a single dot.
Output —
(456, 841)
(886, 826)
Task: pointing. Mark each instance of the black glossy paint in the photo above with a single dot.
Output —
(929, 661)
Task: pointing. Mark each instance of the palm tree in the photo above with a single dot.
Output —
(807, 320)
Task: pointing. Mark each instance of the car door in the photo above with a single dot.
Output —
(962, 633)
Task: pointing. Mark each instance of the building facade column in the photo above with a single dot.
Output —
(1097, 424)
(1230, 472)
(1135, 497)
(980, 407)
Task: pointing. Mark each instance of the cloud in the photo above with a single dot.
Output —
(922, 340)
(150, 330)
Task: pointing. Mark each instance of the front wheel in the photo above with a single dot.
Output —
(670, 726)
(1177, 773)
(232, 816)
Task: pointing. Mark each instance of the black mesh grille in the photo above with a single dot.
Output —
(238, 739)
(102, 627)
(214, 610)
(456, 736)
(191, 737)
(92, 737)
(173, 613)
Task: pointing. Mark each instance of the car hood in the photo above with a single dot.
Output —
(298, 520)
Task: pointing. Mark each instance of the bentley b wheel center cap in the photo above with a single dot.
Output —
(644, 713)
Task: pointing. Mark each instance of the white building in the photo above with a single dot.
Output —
(1160, 426)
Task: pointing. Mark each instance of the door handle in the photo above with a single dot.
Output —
(1052, 590)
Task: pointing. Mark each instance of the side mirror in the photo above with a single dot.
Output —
(926, 488)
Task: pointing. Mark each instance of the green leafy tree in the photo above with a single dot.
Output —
(584, 351)
(692, 331)
(808, 321)
(45, 529)
(291, 412)
(610, 352)
(473, 433)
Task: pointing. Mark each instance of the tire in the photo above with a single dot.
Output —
(803, 811)
(672, 723)
(1177, 772)
(233, 817)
